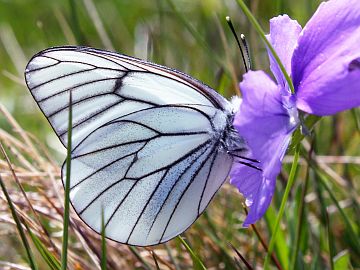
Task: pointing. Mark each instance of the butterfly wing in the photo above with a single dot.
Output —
(117, 84)
(146, 144)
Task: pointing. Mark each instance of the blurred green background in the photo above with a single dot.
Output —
(192, 36)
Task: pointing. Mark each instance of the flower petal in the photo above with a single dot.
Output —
(284, 33)
(257, 190)
(263, 119)
(325, 65)
(264, 122)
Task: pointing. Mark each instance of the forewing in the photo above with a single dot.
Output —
(105, 86)
(151, 172)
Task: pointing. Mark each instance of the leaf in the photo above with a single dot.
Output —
(342, 260)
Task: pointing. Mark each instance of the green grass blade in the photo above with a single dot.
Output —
(353, 236)
(211, 232)
(194, 33)
(315, 262)
(281, 248)
(49, 258)
(355, 115)
(280, 6)
(350, 229)
(67, 190)
(331, 241)
(325, 221)
(197, 263)
(282, 207)
(19, 227)
(75, 22)
(299, 223)
(103, 242)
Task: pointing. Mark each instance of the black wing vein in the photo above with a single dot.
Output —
(206, 182)
(158, 185)
(143, 176)
(186, 188)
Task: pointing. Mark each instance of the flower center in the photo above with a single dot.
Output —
(289, 102)
(294, 117)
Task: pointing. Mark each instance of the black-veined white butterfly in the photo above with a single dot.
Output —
(150, 145)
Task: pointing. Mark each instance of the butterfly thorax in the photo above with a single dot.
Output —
(231, 139)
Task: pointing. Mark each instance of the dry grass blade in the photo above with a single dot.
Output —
(26, 198)
(12, 266)
(65, 27)
(327, 159)
(155, 259)
(241, 257)
(22, 133)
(13, 48)
(19, 222)
(17, 79)
(263, 244)
(94, 15)
(11, 141)
(159, 259)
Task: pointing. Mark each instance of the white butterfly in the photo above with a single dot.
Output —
(150, 145)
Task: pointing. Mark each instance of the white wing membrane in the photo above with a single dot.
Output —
(91, 74)
(146, 143)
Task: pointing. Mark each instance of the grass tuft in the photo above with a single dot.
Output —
(19, 227)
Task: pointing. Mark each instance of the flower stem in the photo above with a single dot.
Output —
(261, 33)
(282, 207)
(264, 245)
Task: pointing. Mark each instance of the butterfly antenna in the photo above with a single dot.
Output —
(228, 20)
(244, 42)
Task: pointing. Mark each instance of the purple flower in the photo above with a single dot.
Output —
(323, 60)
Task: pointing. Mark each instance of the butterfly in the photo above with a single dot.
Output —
(150, 144)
